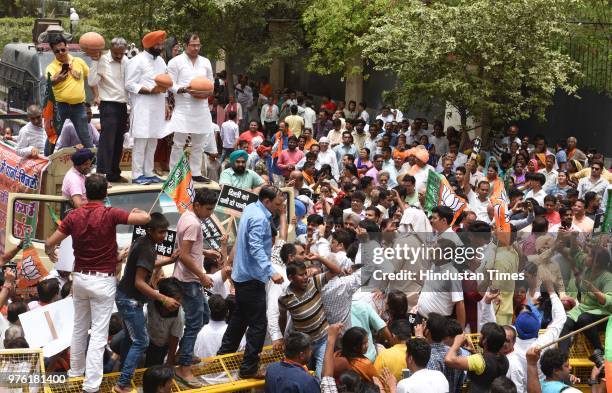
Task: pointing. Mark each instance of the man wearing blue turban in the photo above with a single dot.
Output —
(237, 175)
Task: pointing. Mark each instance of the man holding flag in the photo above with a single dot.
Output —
(189, 270)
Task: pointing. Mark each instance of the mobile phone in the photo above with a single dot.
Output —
(12, 266)
(65, 68)
(414, 319)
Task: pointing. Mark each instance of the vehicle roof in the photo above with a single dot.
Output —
(35, 58)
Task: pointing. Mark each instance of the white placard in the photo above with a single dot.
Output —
(40, 323)
(65, 257)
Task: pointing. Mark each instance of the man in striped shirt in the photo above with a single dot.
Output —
(302, 299)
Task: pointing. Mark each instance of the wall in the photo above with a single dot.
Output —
(589, 119)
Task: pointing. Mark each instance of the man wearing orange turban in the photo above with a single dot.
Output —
(148, 106)
(420, 169)
(153, 39)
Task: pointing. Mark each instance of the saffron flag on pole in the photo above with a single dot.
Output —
(440, 193)
(608, 356)
(501, 223)
(179, 185)
(51, 119)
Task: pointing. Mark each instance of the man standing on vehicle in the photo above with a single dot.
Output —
(107, 81)
(189, 270)
(31, 139)
(94, 241)
(191, 115)
(251, 271)
(148, 106)
(73, 185)
(68, 76)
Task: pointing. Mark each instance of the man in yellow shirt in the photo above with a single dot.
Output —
(394, 358)
(294, 122)
(68, 75)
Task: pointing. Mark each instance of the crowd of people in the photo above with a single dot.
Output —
(355, 180)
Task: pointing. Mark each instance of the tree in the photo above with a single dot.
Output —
(333, 29)
(495, 60)
(129, 19)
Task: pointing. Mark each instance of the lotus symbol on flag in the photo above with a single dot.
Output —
(450, 199)
(29, 269)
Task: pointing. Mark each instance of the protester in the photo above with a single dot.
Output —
(252, 270)
(148, 105)
(133, 291)
(164, 326)
(69, 138)
(421, 379)
(238, 176)
(191, 114)
(68, 75)
(107, 81)
(189, 271)
(291, 373)
(93, 231)
(73, 185)
(158, 379)
(32, 138)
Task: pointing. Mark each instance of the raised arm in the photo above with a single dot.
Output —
(332, 269)
(452, 359)
(328, 359)
(138, 217)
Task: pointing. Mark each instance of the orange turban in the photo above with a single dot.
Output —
(421, 154)
(153, 38)
(402, 154)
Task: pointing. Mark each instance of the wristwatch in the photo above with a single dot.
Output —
(592, 382)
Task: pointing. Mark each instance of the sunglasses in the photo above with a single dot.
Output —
(61, 50)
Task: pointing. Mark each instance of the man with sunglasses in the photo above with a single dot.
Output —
(596, 182)
(68, 75)
(31, 139)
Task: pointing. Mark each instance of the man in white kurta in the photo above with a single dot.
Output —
(191, 115)
(148, 101)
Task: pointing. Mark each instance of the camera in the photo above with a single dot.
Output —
(132, 51)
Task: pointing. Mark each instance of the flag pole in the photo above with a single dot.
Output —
(590, 325)
(156, 199)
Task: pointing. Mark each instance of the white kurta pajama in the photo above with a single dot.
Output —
(190, 115)
(147, 117)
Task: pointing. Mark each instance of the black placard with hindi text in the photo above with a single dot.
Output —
(165, 248)
(234, 200)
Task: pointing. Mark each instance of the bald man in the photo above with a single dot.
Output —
(32, 138)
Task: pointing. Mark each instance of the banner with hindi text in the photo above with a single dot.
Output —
(19, 175)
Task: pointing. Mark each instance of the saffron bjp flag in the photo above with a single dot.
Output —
(499, 201)
(51, 119)
(30, 270)
(608, 356)
(179, 185)
(440, 193)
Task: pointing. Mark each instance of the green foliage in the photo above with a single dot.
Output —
(590, 27)
(130, 19)
(494, 60)
(238, 27)
(333, 29)
(15, 29)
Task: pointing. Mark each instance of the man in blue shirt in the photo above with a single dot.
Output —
(252, 269)
(291, 373)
